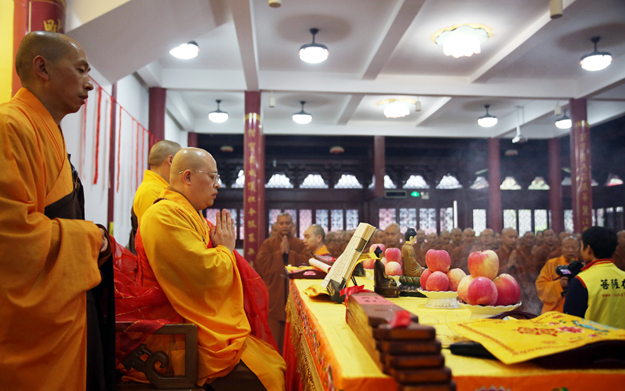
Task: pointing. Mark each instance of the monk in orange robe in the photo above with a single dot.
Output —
(49, 256)
(460, 255)
(155, 180)
(275, 253)
(523, 267)
(314, 238)
(542, 251)
(548, 285)
(509, 238)
(204, 284)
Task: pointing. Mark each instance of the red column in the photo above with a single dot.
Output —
(254, 168)
(555, 186)
(192, 140)
(581, 176)
(112, 161)
(35, 15)
(156, 124)
(379, 165)
(495, 214)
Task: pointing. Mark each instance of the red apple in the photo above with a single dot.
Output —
(484, 264)
(463, 286)
(424, 277)
(455, 276)
(438, 260)
(384, 261)
(508, 291)
(368, 263)
(374, 246)
(438, 282)
(482, 291)
(393, 269)
(393, 255)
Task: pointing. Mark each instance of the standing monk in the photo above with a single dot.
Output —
(393, 236)
(155, 180)
(550, 244)
(548, 285)
(49, 256)
(509, 237)
(456, 240)
(619, 254)
(197, 270)
(460, 255)
(522, 266)
(274, 254)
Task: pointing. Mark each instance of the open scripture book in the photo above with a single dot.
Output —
(344, 266)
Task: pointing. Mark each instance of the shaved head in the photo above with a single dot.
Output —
(161, 151)
(49, 45)
(194, 175)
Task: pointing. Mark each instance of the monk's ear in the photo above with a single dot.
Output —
(40, 67)
(186, 177)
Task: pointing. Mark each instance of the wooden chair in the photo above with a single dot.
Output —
(148, 365)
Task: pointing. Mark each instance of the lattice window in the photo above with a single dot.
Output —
(540, 220)
(449, 182)
(387, 217)
(407, 219)
(305, 221)
(538, 184)
(416, 182)
(348, 181)
(279, 181)
(221, 184)
(427, 220)
(568, 220)
(388, 183)
(313, 181)
(351, 219)
(233, 213)
(336, 219)
(321, 218)
(509, 218)
(479, 183)
(240, 182)
(525, 221)
(211, 214)
(600, 217)
(609, 217)
(241, 224)
(594, 217)
(510, 184)
(273, 217)
(479, 220)
(618, 219)
(447, 219)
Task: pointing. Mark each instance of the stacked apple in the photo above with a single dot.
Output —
(437, 277)
(483, 286)
(393, 261)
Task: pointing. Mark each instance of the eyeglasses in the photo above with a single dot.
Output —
(213, 175)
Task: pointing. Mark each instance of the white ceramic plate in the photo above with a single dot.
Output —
(486, 311)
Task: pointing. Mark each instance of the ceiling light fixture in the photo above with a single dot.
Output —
(218, 116)
(397, 108)
(558, 109)
(462, 40)
(313, 53)
(302, 117)
(488, 120)
(555, 9)
(519, 138)
(596, 60)
(335, 150)
(564, 122)
(417, 105)
(186, 51)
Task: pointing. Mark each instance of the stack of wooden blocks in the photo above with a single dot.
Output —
(411, 354)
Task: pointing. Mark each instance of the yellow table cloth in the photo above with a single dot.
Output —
(330, 357)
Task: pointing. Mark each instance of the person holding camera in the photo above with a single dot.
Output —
(550, 285)
(597, 293)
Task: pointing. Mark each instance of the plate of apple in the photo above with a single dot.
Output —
(485, 293)
(439, 283)
(391, 259)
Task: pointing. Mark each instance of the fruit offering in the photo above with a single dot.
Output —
(483, 286)
(438, 277)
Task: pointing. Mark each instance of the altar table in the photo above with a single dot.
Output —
(323, 353)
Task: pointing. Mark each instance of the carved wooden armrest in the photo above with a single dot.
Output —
(148, 366)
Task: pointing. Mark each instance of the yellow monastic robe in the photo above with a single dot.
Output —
(148, 192)
(323, 250)
(550, 291)
(46, 266)
(204, 286)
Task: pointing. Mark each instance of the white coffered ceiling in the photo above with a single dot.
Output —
(378, 50)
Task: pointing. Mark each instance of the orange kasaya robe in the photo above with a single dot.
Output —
(550, 291)
(147, 192)
(46, 266)
(323, 250)
(204, 286)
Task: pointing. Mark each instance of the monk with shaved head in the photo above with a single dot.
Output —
(195, 264)
(155, 179)
(50, 257)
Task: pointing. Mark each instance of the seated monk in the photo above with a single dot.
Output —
(314, 237)
(196, 267)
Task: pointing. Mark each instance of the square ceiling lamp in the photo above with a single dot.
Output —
(462, 40)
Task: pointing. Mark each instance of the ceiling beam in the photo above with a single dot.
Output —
(152, 74)
(243, 17)
(180, 110)
(518, 46)
(350, 108)
(531, 112)
(439, 104)
(403, 14)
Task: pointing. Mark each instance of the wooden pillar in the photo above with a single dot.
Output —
(158, 101)
(581, 175)
(32, 15)
(113, 145)
(495, 214)
(379, 165)
(555, 186)
(254, 168)
(192, 140)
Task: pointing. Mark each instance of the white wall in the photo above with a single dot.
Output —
(174, 133)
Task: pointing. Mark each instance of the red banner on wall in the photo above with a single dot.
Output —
(582, 206)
